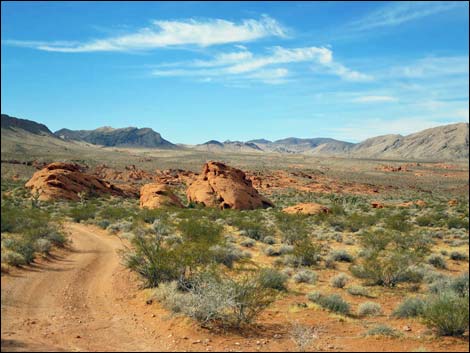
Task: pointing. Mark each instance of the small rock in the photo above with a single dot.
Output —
(78, 336)
(406, 328)
(148, 302)
(277, 336)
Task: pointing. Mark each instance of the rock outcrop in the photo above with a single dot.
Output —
(158, 195)
(222, 186)
(307, 208)
(66, 180)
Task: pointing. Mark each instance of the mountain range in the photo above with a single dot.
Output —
(447, 142)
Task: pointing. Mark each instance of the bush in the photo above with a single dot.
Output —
(359, 291)
(437, 261)
(303, 336)
(448, 313)
(103, 223)
(270, 278)
(307, 253)
(459, 223)
(226, 255)
(332, 302)
(369, 309)
(339, 281)
(248, 243)
(13, 258)
(410, 307)
(389, 256)
(342, 255)
(383, 330)
(43, 246)
(460, 285)
(272, 251)
(269, 240)
(82, 212)
(286, 249)
(305, 276)
(458, 256)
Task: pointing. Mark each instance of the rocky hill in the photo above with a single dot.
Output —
(108, 136)
(15, 124)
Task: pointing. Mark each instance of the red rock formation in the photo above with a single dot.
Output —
(306, 208)
(222, 186)
(158, 195)
(66, 180)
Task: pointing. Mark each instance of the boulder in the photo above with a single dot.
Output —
(220, 185)
(66, 180)
(452, 202)
(307, 208)
(158, 195)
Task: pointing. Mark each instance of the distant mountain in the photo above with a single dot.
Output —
(12, 123)
(299, 145)
(228, 146)
(448, 142)
(108, 136)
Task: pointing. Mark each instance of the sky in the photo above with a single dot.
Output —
(196, 71)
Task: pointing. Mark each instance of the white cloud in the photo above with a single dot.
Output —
(397, 13)
(161, 34)
(374, 99)
(244, 64)
(434, 67)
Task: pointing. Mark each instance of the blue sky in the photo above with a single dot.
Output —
(196, 71)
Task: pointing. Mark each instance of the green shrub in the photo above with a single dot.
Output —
(307, 253)
(437, 261)
(82, 212)
(410, 307)
(13, 258)
(305, 276)
(458, 256)
(43, 246)
(342, 256)
(460, 285)
(271, 278)
(333, 302)
(359, 291)
(455, 222)
(272, 251)
(339, 281)
(448, 313)
(369, 309)
(389, 256)
(383, 330)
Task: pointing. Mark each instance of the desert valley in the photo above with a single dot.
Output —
(252, 176)
(312, 235)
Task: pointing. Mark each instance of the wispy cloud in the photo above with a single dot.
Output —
(161, 34)
(374, 99)
(433, 67)
(397, 13)
(244, 64)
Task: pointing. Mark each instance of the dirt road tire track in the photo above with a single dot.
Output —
(73, 302)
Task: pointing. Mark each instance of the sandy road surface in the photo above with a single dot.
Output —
(74, 302)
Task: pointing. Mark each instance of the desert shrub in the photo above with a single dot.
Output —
(383, 330)
(458, 256)
(224, 300)
(254, 229)
(305, 276)
(426, 221)
(455, 222)
(269, 240)
(171, 297)
(286, 249)
(359, 291)
(226, 255)
(122, 226)
(448, 313)
(410, 307)
(460, 285)
(342, 255)
(248, 243)
(358, 221)
(339, 281)
(272, 251)
(116, 213)
(307, 253)
(303, 336)
(153, 262)
(13, 258)
(437, 261)
(330, 263)
(103, 223)
(389, 256)
(332, 302)
(43, 246)
(82, 212)
(398, 222)
(271, 278)
(369, 309)
(294, 228)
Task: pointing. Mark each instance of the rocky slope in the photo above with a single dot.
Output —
(108, 136)
(14, 124)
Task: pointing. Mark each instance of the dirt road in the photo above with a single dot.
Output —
(75, 301)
